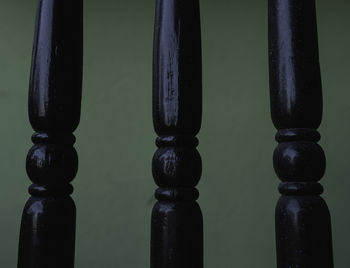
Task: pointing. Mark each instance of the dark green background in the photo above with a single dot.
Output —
(115, 140)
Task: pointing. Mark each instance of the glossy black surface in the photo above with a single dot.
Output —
(296, 91)
(303, 228)
(177, 225)
(55, 80)
(48, 223)
(177, 73)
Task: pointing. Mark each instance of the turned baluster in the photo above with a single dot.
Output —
(48, 223)
(303, 228)
(177, 232)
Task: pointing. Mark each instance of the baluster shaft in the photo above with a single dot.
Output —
(47, 234)
(303, 228)
(177, 232)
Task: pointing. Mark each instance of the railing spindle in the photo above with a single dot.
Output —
(48, 223)
(177, 232)
(303, 228)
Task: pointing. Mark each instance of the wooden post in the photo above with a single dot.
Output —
(48, 223)
(177, 232)
(303, 228)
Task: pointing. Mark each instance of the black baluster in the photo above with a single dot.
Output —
(177, 231)
(303, 228)
(48, 223)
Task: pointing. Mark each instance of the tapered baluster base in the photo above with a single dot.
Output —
(47, 234)
(303, 232)
(177, 235)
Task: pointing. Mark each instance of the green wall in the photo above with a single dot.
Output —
(115, 140)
